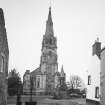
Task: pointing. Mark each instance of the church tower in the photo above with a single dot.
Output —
(46, 77)
(48, 64)
(49, 49)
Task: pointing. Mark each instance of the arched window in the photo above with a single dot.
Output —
(2, 64)
(38, 82)
(97, 92)
(89, 79)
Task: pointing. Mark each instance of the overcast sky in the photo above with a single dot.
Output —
(77, 24)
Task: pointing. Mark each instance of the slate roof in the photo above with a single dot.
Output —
(36, 72)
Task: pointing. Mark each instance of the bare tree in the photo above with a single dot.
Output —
(75, 82)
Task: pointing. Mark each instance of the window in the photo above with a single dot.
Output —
(38, 83)
(89, 79)
(97, 92)
(2, 64)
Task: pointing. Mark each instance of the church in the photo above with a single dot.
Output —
(46, 78)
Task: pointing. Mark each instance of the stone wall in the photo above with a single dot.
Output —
(4, 56)
(2, 89)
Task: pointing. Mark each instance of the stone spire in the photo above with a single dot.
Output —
(3, 34)
(2, 22)
(49, 24)
(62, 72)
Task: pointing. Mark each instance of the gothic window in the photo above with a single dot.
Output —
(89, 79)
(38, 83)
(34, 83)
(2, 64)
(97, 92)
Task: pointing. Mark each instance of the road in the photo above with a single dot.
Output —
(47, 101)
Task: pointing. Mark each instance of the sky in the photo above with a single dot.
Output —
(77, 24)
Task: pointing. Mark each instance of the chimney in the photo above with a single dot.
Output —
(96, 48)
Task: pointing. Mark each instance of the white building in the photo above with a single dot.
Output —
(96, 75)
(93, 82)
(102, 77)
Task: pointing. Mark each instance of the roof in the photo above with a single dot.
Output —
(36, 72)
(102, 49)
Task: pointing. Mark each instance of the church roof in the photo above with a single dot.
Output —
(36, 72)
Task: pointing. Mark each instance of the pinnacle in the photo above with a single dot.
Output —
(2, 22)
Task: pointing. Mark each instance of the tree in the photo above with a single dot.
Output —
(63, 87)
(75, 82)
(75, 86)
(61, 91)
(14, 83)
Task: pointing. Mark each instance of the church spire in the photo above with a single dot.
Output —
(49, 24)
(2, 22)
(62, 72)
(49, 15)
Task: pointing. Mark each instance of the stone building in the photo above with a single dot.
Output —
(26, 82)
(46, 77)
(4, 56)
(96, 79)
